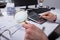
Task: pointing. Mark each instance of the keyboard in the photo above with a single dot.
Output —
(39, 10)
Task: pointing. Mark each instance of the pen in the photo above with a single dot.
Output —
(43, 28)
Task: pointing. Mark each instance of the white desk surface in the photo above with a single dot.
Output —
(19, 35)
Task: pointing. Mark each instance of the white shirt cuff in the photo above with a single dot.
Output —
(57, 13)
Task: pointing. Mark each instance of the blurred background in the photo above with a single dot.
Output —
(52, 3)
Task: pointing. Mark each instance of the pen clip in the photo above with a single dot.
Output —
(43, 28)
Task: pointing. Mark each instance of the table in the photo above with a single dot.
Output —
(9, 23)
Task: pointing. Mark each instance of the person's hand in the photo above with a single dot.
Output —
(41, 1)
(33, 32)
(49, 16)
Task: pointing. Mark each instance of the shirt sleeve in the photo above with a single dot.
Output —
(57, 13)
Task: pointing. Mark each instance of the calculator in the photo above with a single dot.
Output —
(33, 16)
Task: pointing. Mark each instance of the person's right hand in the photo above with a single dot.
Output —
(49, 16)
(33, 32)
(41, 1)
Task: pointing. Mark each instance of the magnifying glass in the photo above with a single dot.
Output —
(21, 16)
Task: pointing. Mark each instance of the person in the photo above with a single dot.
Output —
(49, 16)
(35, 33)
(52, 16)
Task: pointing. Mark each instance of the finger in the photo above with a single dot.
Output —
(26, 26)
(33, 35)
(29, 33)
(45, 13)
(31, 26)
(29, 36)
(45, 17)
(26, 36)
(26, 39)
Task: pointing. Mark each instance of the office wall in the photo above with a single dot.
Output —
(52, 3)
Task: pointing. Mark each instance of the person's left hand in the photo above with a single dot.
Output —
(49, 16)
(33, 32)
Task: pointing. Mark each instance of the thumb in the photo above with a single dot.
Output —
(26, 26)
(45, 17)
(45, 14)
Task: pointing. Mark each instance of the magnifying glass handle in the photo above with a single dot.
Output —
(25, 22)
